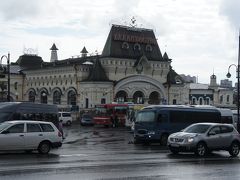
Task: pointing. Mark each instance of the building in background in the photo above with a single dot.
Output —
(131, 68)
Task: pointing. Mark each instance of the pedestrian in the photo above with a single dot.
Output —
(115, 121)
(60, 125)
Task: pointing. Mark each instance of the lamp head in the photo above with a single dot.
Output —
(228, 75)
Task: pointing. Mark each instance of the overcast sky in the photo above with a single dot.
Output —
(201, 37)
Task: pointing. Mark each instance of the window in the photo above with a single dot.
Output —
(201, 101)
(174, 101)
(215, 130)
(47, 128)
(15, 85)
(228, 97)
(33, 128)
(145, 116)
(148, 48)
(227, 119)
(226, 129)
(18, 128)
(56, 97)
(125, 45)
(207, 101)
(221, 99)
(137, 47)
(163, 118)
(177, 117)
(43, 97)
(72, 98)
(66, 115)
(103, 101)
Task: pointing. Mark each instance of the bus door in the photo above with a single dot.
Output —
(120, 112)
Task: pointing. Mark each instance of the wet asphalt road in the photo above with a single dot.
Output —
(107, 153)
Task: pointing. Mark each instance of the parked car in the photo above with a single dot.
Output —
(202, 138)
(29, 135)
(65, 117)
(86, 119)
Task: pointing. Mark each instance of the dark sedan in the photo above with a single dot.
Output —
(86, 119)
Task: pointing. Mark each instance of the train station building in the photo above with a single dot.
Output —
(131, 68)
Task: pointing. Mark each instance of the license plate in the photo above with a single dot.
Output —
(175, 145)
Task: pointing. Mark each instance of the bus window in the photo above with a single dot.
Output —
(121, 110)
(227, 119)
(4, 116)
(177, 117)
(162, 118)
(100, 111)
(147, 116)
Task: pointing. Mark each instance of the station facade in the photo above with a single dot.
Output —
(131, 68)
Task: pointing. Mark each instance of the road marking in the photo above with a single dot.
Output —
(72, 155)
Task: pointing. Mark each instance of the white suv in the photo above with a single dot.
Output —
(65, 117)
(29, 135)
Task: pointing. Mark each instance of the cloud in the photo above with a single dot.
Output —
(17, 9)
(231, 10)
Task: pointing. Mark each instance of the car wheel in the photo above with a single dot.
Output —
(44, 147)
(201, 149)
(163, 140)
(69, 123)
(234, 149)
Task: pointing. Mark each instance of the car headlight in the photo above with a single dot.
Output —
(190, 139)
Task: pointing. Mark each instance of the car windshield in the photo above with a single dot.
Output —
(145, 116)
(86, 116)
(3, 125)
(197, 128)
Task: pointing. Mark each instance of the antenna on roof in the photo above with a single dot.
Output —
(133, 21)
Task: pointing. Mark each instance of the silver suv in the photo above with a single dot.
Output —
(202, 138)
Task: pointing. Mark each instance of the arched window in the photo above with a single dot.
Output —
(154, 98)
(200, 101)
(121, 96)
(44, 98)
(207, 101)
(72, 98)
(56, 97)
(193, 100)
(125, 45)
(138, 97)
(137, 47)
(31, 96)
(148, 48)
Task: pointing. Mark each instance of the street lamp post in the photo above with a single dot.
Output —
(8, 73)
(238, 90)
(237, 102)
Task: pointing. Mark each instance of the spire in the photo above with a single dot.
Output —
(84, 52)
(97, 73)
(165, 57)
(54, 56)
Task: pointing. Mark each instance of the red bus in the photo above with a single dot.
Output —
(110, 114)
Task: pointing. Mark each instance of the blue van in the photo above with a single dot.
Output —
(155, 123)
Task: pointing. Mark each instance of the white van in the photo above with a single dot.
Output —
(65, 117)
